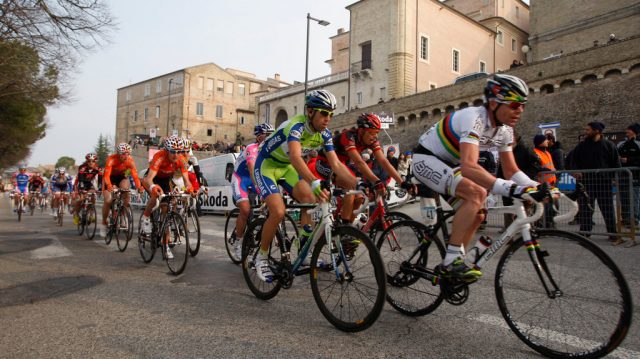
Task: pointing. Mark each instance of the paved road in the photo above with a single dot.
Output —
(62, 296)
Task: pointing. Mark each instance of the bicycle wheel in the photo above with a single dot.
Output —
(60, 214)
(91, 221)
(32, 206)
(405, 248)
(19, 210)
(123, 226)
(230, 235)
(391, 217)
(350, 296)
(587, 312)
(250, 246)
(289, 231)
(111, 226)
(146, 243)
(193, 227)
(178, 243)
(81, 224)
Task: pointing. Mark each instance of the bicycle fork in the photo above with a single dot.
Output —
(540, 265)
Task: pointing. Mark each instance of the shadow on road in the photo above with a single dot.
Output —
(29, 293)
(8, 246)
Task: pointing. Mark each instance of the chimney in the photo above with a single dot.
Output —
(340, 30)
(277, 77)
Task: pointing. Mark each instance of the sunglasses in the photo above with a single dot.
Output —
(324, 112)
(176, 152)
(516, 105)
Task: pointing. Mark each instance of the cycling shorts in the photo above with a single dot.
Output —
(58, 188)
(240, 188)
(22, 189)
(164, 183)
(116, 179)
(436, 174)
(269, 173)
(85, 185)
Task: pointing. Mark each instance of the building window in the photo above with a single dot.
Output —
(229, 88)
(424, 48)
(157, 111)
(344, 101)
(267, 116)
(158, 86)
(146, 114)
(147, 90)
(241, 89)
(517, 12)
(220, 85)
(225, 136)
(513, 45)
(209, 132)
(218, 111)
(359, 97)
(366, 55)
(135, 115)
(127, 95)
(483, 66)
(499, 37)
(455, 61)
(199, 109)
(383, 93)
(242, 120)
(200, 82)
(209, 84)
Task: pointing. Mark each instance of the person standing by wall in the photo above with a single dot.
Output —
(596, 152)
(629, 152)
(540, 143)
(557, 152)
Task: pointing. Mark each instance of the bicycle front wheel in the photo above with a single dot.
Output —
(407, 250)
(586, 310)
(177, 247)
(146, 243)
(193, 226)
(81, 223)
(351, 294)
(123, 228)
(91, 222)
(230, 235)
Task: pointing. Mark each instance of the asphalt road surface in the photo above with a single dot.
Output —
(63, 296)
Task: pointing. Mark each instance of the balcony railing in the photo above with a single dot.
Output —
(320, 81)
(362, 65)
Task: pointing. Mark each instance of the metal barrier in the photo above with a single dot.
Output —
(612, 209)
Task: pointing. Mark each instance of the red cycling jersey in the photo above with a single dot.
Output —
(115, 167)
(164, 167)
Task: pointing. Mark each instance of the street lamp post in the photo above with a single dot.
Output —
(169, 106)
(306, 68)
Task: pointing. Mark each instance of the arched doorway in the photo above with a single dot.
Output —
(281, 117)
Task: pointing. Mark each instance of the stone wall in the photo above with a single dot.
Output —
(602, 83)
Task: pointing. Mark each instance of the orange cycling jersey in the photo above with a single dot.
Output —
(115, 167)
(164, 167)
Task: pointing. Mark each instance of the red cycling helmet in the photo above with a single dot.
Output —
(369, 121)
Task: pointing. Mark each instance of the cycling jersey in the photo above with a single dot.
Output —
(164, 167)
(61, 183)
(273, 162)
(86, 175)
(241, 182)
(469, 125)
(344, 142)
(35, 184)
(21, 180)
(115, 171)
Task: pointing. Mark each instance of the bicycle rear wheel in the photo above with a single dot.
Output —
(230, 235)
(350, 296)
(390, 217)
(146, 243)
(193, 226)
(178, 243)
(91, 222)
(408, 292)
(19, 210)
(588, 311)
(250, 248)
(123, 228)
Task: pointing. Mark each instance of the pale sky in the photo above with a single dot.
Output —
(156, 37)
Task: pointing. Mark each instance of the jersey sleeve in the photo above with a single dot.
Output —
(347, 141)
(470, 130)
(295, 132)
(107, 173)
(328, 140)
(134, 173)
(251, 153)
(156, 162)
(507, 139)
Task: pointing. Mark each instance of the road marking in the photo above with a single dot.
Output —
(53, 250)
(556, 336)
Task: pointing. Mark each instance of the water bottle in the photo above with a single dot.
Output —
(428, 210)
(481, 246)
(362, 220)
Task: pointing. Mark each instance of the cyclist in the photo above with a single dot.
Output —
(36, 184)
(446, 160)
(117, 170)
(87, 175)
(60, 183)
(281, 157)
(348, 147)
(158, 178)
(242, 181)
(20, 181)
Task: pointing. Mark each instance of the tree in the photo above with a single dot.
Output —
(102, 149)
(66, 162)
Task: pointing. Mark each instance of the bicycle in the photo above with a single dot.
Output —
(60, 209)
(186, 206)
(120, 221)
(34, 198)
(20, 207)
(382, 218)
(88, 217)
(289, 227)
(169, 232)
(582, 319)
(344, 263)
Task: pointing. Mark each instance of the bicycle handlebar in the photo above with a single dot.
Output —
(164, 195)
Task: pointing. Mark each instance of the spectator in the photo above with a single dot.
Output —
(557, 153)
(410, 159)
(546, 164)
(391, 151)
(403, 166)
(629, 151)
(596, 152)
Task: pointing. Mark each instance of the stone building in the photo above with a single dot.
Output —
(205, 102)
(396, 48)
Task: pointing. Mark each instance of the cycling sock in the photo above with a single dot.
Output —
(263, 254)
(453, 252)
